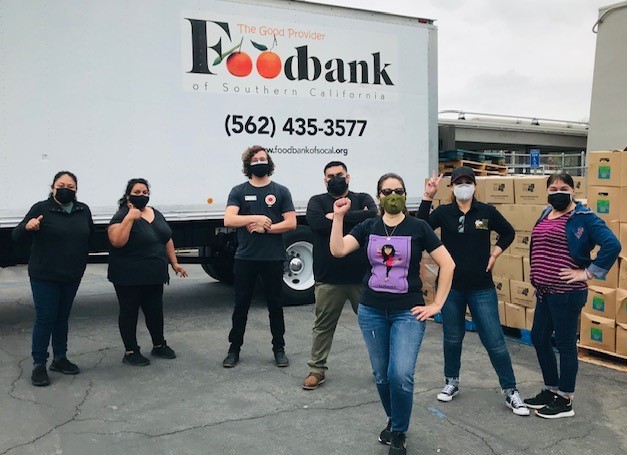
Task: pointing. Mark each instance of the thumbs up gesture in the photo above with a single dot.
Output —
(34, 223)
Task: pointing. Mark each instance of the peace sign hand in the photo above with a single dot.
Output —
(431, 188)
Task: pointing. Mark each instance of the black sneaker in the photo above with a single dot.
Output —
(385, 437)
(164, 351)
(40, 376)
(64, 366)
(135, 359)
(560, 407)
(398, 444)
(540, 400)
(231, 360)
(281, 359)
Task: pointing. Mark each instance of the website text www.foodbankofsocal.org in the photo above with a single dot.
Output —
(307, 150)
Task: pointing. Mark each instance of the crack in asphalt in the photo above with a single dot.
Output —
(567, 438)
(467, 430)
(77, 411)
(214, 424)
(11, 392)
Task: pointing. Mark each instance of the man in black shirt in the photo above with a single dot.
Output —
(337, 280)
(261, 210)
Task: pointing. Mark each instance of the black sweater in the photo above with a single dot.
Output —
(329, 269)
(61, 245)
(470, 249)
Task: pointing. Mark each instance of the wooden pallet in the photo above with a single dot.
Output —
(459, 154)
(604, 358)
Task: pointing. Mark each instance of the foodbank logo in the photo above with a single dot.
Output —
(208, 57)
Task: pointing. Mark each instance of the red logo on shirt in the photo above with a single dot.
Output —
(270, 200)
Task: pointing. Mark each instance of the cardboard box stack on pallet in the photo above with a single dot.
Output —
(521, 200)
(604, 318)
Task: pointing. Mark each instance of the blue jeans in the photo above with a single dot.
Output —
(53, 303)
(393, 339)
(483, 305)
(559, 313)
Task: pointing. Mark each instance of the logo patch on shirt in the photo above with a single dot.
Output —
(579, 232)
(250, 197)
(270, 200)
(481, 224)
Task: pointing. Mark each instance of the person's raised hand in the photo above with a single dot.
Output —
(133, 213)
(34, 223)
(431, 187)
(341, 206)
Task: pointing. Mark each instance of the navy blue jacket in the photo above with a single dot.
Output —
(585, 230)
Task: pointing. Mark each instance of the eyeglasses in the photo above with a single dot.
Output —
(462, 221)
(388, 191)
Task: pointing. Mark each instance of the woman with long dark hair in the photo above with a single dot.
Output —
(60, 228)
(141, 247)
(392, 313)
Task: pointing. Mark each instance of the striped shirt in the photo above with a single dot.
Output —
(550, 255)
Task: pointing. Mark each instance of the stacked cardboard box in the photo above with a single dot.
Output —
(604, 318)
(522, 203)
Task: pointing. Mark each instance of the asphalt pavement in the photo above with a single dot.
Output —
(191, 405)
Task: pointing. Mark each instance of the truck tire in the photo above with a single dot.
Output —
(221, 268)
(298, 277)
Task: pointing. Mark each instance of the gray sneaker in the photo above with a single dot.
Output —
(448, 392)
(516, 404)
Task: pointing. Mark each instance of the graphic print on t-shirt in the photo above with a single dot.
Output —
(389, 258)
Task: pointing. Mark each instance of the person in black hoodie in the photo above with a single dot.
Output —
(60, 229)
(141, 247)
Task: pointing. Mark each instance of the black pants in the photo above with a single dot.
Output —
(246, 273)
(150, 299)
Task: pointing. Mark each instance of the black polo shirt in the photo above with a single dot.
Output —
(467, 238)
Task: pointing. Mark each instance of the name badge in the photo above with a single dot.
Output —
(250, 198)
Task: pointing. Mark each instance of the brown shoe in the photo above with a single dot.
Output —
(313, 381)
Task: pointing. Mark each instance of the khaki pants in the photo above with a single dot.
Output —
(330, 299)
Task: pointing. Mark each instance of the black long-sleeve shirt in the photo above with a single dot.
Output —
(61, 245)
(470, 249)
(329, 269)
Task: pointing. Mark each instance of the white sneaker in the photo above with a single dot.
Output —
(448, 392)
(516, 404)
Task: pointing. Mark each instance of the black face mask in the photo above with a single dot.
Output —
(337, 186)
(260, 169)
(139, 202)
(560, 200)
(64, 195)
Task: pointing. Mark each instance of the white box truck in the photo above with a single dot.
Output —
(175, 91)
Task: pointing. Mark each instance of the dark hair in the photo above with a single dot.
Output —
(386, 256)
(333, 164)
(383, 178)
(247, 156)
(562, 177)
(60, 174)
(129, 187)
